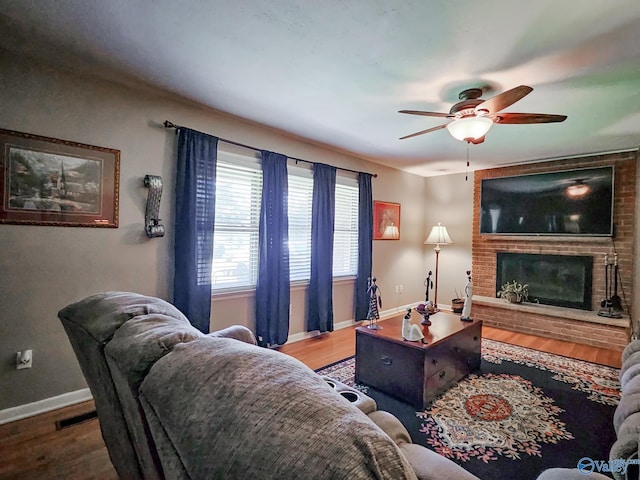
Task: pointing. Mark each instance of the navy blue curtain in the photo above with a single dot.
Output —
(272, 288)
(365, 245)
(195, 210)
(323, 212)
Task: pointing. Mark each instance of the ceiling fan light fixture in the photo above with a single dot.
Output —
(469, 128)
(578, 189)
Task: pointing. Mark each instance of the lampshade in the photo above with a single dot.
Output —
(438, 236)
(469, 127)
(391, 232)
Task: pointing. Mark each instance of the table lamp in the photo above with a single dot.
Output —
(438, 236)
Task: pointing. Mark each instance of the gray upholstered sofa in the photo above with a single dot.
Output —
(175, 403)
(626, 420)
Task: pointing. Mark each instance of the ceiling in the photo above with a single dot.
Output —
(337, 72)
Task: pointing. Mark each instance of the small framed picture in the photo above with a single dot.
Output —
(386, 221)
(46, 181)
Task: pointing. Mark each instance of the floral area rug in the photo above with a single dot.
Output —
(522, 412)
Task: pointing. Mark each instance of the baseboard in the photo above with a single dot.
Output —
(296, 337)
(45, 405)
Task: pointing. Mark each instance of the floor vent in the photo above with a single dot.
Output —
(71, 421)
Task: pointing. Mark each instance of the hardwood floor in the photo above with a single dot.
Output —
(34, 449)
(325, 349)
(603, 356)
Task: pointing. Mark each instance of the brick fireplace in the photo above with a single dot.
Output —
(572, 324)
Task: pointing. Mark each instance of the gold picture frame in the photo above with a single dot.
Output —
(47, 181)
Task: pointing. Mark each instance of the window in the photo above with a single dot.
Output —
(237, 219)
(300, 197)
(345, 241)
(235, 240)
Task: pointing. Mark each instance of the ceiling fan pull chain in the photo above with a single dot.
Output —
(466, 172)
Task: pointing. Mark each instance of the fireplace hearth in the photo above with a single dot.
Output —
(560, 280)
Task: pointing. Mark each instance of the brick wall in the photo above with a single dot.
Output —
(485, 247)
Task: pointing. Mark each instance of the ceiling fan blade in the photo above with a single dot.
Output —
(503, 100)
(428, 130)
(426, 114)
(522, 118)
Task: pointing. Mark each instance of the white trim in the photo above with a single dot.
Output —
(296, 337)
(44, 405)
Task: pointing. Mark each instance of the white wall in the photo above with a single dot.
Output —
(42, 269)
(449, 200)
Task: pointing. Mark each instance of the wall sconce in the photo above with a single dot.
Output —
(152, 225)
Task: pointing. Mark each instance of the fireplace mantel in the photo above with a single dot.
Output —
(552, 311)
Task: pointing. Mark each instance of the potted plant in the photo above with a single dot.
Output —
(514, 292)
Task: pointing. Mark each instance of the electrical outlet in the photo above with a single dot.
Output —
(401, 288)
(24, 359)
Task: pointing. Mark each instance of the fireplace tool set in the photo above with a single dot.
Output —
(611, 307)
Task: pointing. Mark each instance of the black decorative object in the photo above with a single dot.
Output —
(429, 285)
(375, 301)
(611, 306)
(424, 309)
(152, 225)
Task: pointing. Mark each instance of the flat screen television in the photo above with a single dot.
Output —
(574, 203)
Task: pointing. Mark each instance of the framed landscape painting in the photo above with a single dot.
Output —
(46, 181)
(386, 221)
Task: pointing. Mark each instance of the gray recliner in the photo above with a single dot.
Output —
(102, 330)
(175, 403)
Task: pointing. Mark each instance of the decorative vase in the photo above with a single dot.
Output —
(457, 304)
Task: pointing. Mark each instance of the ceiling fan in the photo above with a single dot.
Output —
(473, 116)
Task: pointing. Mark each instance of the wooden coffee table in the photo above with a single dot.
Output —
(416, 372)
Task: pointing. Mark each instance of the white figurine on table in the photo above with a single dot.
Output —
(411, 332)
(468, 290)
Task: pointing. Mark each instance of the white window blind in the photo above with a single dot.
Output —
(235, 241)
(345, 242)
(235, 234)
(300, 198)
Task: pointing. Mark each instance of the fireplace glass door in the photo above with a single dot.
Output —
(561, 280)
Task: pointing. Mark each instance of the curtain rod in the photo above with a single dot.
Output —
(168, 124)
